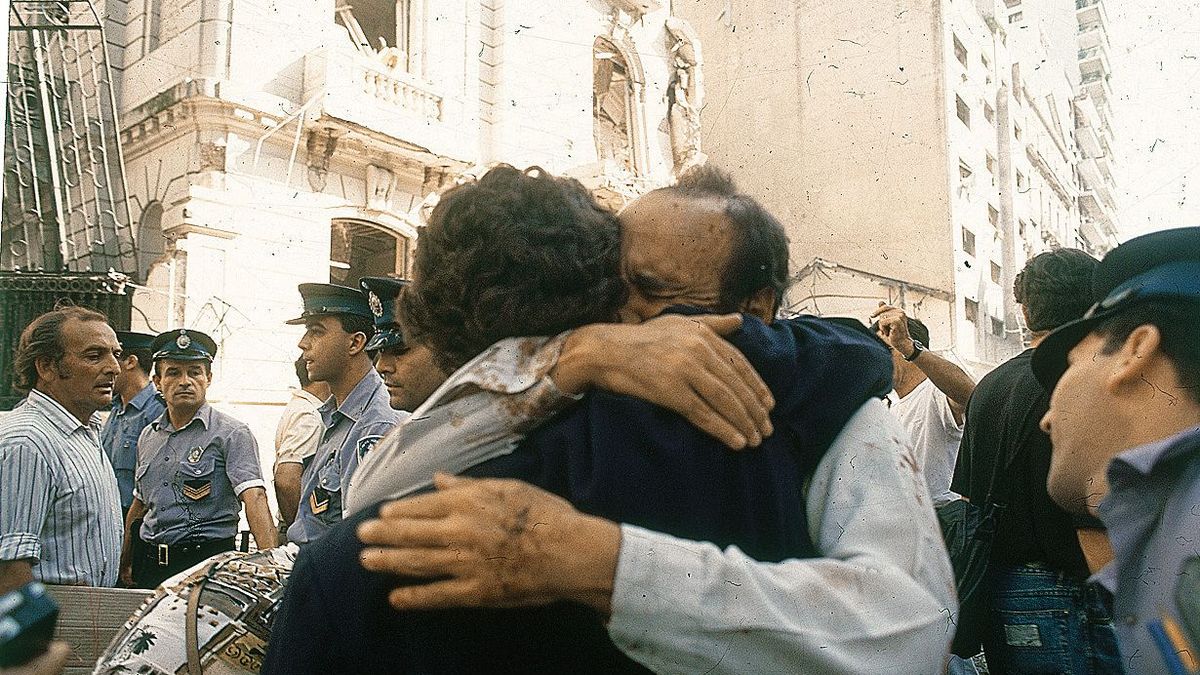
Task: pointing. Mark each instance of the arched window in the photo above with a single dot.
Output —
(360, 249)
(613, 108)
(151, 244)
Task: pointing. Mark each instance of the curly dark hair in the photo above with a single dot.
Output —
(43, 339)
(513, 253)
(1055, 287)
(759, 258)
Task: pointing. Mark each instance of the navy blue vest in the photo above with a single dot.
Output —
(620, 458)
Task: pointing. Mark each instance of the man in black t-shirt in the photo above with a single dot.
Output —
(1039, 572)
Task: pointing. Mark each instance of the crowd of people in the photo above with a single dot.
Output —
(580, 441)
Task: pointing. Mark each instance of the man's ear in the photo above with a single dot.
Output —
(760, 304)
(1134, 359)
(46, 368)
(357, 342)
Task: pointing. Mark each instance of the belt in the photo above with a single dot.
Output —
(163, 553)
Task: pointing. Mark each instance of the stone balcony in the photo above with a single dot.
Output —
(366, 91)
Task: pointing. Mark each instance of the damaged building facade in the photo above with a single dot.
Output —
(274, 142)
(918, 152)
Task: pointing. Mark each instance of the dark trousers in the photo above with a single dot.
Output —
(154, 564)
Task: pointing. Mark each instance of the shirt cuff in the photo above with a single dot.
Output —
(653, 595)
(20, 546)
(242, 487)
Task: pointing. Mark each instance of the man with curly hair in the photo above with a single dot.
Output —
(825, 500)
(1037, 563)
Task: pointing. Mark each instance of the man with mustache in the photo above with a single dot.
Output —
(408, 371)
(60, 507)
(196, 467)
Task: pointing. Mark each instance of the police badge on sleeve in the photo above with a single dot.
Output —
(365, 444)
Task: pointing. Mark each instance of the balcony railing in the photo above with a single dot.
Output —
(366, 90)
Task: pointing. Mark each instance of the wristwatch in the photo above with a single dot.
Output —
(917, 349)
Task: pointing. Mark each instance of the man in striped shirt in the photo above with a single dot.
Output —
(60, 508)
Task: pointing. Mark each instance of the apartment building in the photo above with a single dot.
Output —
(918, 152)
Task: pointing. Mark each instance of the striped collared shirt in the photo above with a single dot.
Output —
(59, 502)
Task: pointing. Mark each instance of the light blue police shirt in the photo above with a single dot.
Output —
(119, 437)
(351, 430)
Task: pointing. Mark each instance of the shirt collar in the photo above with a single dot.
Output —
(204, 415)
(1125, 472)
(57, 414)
(358, 400)
(142, 397)
(1144, 459)
(307, 396)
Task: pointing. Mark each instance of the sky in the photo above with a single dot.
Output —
(1155, 56)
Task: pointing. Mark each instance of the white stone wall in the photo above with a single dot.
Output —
(212, 115)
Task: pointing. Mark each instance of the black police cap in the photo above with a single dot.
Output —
(381, 295)
(131, 341)
(330, 299)
(183, 344)
(1157, 266)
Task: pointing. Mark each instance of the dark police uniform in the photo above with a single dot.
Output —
(381, 299)
(190, 479)
(119, 436)
(351, 429)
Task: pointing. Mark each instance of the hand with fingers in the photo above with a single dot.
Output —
(893, 328)
(682, 363)
(491, 543)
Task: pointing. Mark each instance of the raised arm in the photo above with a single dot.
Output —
(945, 375)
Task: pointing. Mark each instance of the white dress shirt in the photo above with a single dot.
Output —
(879, 601)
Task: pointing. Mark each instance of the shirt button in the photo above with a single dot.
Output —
(1130, 620)
(164, 483)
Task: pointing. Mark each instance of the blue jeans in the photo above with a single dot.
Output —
(1043, 621)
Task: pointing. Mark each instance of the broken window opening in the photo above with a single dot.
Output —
(360, 249)
(612, 107)
(370, 23)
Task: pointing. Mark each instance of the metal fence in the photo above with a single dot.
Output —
(65, 198)
(25, 295)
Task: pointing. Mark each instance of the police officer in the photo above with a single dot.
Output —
(338, 325)
(1124, 420)
(409, 373)
(136, 403)
(194, 465)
